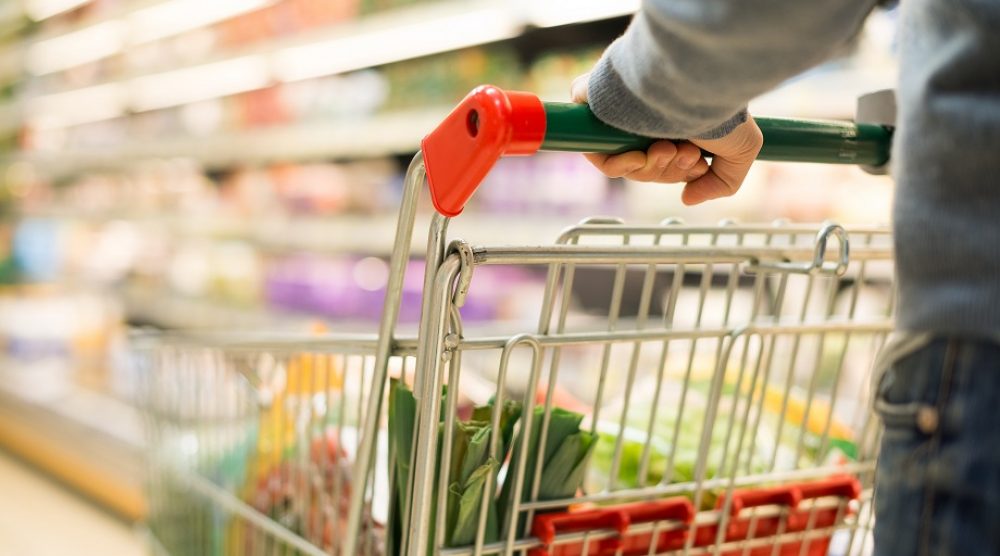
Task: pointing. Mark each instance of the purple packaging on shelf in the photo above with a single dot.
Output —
(345, 288)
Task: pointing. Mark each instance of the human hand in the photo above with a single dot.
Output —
(670, 162)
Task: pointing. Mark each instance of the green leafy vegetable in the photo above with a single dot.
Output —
(464, 503)
(567, 449)
(470, 468)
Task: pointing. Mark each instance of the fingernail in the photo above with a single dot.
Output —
(685, 162)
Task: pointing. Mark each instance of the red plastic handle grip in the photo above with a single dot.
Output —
(618, 518)
(674, 509)
(546, 526)
(487, 124)
(782, 496)
(844, 487)
(678, 510)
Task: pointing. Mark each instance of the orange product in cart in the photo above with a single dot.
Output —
(667, 523)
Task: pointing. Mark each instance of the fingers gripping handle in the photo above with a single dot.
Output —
(490, 123)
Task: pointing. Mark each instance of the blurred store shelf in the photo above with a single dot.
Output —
(827, 94)
(153, 307)
(372, 40)
(412, 31)
(10, 116)
(334, 234)
(11, 15)
(367, 137)
(88, 440)
(41, 10)
(11, 61)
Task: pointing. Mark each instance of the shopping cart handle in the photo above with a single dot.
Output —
(573, 127)
(490, 123)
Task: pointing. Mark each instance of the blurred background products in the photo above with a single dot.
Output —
(237, 164)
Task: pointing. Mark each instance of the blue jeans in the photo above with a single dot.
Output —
(937, 488)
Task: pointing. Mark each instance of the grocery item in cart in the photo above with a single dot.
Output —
(562, 463)
(680, 459)
(471, 466)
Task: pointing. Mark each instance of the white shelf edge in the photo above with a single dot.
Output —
(338, 234)
(378, 135)
(76, 404)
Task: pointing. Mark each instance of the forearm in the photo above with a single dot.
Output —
(687, 68)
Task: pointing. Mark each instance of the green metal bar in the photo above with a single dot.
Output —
(573, 127)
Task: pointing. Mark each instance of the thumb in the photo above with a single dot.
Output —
(734, 154)
(722, 180)
(578, 91)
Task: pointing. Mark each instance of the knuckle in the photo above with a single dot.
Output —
(754, 140)
(666, 148)
(688, 147)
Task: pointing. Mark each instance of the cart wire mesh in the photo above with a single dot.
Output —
(714, 380)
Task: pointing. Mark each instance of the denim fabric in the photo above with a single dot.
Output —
(937, 489)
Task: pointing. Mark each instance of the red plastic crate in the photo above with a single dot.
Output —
(674, 512)
(620, 519)
(792, 520)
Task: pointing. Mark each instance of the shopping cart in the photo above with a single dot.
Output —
(687, 389)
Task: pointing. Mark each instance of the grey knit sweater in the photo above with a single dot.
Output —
(686, 68)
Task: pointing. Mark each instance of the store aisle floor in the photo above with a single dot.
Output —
(39, 517)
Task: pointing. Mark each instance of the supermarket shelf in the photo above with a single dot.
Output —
(822, 94)
(10, 118)
(371, 235)
(11, 14)
(420, 24)
(373, 40)
(374, 235)
(103, 16)
(376, 136)
(170, 311)
(89, 441)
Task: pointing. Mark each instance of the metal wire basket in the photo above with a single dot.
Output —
(687, 389)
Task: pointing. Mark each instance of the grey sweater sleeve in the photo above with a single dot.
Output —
(687, 68)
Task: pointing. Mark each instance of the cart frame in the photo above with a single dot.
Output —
(440, 342)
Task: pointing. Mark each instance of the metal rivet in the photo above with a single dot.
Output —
(927, 419)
